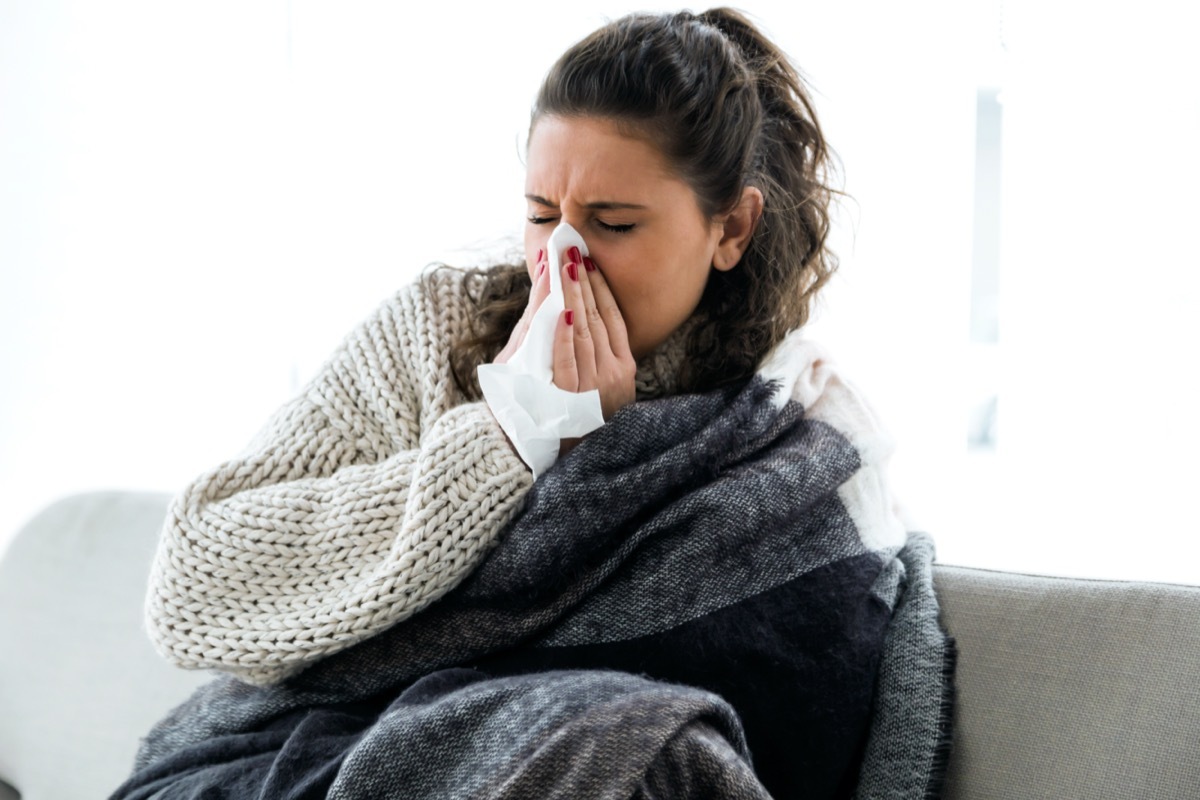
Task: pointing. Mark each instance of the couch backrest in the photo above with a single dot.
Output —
(1072, 688)
(79, 681)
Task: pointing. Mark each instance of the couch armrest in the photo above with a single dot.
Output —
(1072, 688)
(79, 681)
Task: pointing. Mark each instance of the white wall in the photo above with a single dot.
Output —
(197, 200)
(1102, 281)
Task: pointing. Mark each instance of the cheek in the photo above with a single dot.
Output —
(640, 271)
(612, 261)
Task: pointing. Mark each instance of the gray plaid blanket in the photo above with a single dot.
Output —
(708, 597)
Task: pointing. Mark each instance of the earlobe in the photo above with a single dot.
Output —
(738, 229)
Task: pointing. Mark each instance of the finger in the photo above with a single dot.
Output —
(541, 287)
(566, 375)
(606, 306)
(585, 347)
(591, 312)
(538, 293)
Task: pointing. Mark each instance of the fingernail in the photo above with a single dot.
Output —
(574, 255)
(570, 317)
(589, 264)
(539, 256)
(573, 271)
(541, 269)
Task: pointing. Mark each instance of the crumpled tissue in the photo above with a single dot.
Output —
(521, 393)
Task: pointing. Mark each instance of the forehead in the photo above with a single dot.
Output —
(587, 157)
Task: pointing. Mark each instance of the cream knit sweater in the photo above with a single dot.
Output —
(361, 502)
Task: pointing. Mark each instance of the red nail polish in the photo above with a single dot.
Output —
(541, 269)
(589, 264)
(574, 255)
(570, 317)
(539, 255)
(573, 271)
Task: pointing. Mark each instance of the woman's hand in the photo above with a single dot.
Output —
(539, 292)
(591, 345)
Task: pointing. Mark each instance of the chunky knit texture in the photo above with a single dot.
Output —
(361, 502)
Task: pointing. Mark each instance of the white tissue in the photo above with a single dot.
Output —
(521, 393)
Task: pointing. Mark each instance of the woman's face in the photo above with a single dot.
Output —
(643, 226)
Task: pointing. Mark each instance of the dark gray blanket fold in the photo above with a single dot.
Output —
(704, 599)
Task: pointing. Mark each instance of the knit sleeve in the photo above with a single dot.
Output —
(361, 502)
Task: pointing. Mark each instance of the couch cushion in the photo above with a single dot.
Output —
(1072, 688)
(79, 681)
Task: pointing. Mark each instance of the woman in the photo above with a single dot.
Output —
(722, 552)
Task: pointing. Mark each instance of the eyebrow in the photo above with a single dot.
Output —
(602, 205)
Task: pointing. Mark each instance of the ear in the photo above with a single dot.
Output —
(737, 227)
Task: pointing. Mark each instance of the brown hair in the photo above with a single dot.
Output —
(728, 110)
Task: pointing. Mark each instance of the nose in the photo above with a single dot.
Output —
(574, 219)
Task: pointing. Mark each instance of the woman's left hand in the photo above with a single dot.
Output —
(591, 350)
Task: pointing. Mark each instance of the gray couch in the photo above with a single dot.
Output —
(1066, 688)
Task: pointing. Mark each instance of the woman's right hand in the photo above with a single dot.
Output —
(539, 292)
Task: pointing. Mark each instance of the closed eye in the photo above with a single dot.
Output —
(536, 220)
